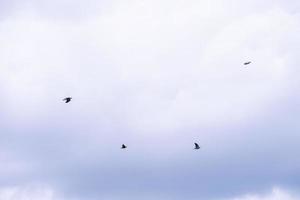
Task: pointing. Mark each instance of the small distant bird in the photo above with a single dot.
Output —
(197, 146)
(123, 146)
(67, 99)
(247, 63)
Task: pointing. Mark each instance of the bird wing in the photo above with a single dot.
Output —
(67, 99)
(196, 145)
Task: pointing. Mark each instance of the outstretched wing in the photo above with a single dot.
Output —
(67, 99)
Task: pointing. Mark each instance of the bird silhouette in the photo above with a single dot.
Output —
(247, 63)
(123, 146)
(197, 146)
(67, 99)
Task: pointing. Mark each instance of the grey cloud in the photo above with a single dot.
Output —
(157, 82)
(253, 158)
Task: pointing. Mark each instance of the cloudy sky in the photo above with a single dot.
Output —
(157, 76)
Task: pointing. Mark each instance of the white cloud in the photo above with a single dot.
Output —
(276, 194)
(174, 65)
(27, 193)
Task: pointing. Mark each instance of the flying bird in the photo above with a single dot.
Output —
(247, 63)
(123, 146)
(197, 146)
(67, 99)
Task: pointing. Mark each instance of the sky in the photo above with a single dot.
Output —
(156, 76)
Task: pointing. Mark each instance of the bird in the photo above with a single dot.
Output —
(247, 63)
(67, 99)
(196, 146)
(123, 146)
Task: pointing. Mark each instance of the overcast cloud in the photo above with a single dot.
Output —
(157, 76)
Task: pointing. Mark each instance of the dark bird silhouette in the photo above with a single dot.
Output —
(123, 146)
(197, 146)
(67, 99)
(247, 63)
